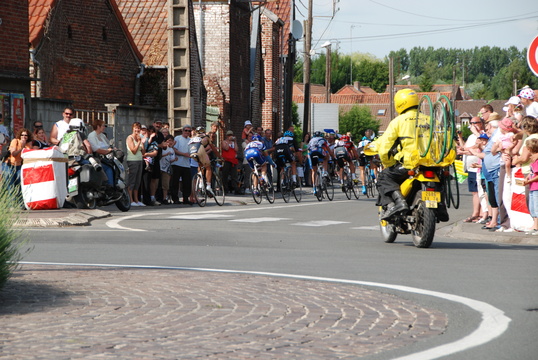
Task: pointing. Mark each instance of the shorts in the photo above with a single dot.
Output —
(283, 155)
(471, 182)
(254, 155)
(135, 169)
(315, 158)
(342, 155)
(365, 160)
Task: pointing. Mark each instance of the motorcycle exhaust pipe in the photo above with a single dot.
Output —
(121, 185)
(95, 164)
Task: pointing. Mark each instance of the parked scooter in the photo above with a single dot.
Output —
(425, 194)
(87, 182)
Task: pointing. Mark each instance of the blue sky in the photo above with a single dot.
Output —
(380, 26)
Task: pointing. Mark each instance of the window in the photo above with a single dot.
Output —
(381, 112)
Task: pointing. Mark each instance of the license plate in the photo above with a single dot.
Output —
(72, 186)
(431, 198)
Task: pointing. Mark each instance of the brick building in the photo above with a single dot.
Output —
(83, 53)
(14, 63)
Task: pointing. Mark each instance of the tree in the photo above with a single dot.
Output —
(357, 121)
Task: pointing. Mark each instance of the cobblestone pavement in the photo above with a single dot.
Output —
(69, 312)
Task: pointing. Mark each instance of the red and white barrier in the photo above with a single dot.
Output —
(43, 178)
(515, 201)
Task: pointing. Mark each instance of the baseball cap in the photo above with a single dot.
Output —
(484, 136)
(248, 123)
(514, 100)
(229, 132)
(143, 127)
(527, 93)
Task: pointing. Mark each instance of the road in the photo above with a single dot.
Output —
(469, 281)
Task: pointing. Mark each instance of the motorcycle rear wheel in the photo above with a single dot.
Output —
(388, 233)
(124, 203)
(424, 226)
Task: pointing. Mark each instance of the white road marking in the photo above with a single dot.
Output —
(320, 223)
(201, 217)
(260, 219)
(494, 322)
(374, 227)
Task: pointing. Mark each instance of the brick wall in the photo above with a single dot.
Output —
(85, 56)
(14, 56)
(272, 75)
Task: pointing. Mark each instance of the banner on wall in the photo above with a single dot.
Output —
(17, 109)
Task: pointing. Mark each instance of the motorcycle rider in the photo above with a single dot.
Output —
(99, 144)
(395, 147)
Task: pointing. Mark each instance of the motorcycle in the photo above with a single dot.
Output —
(87, 186)
(425, 194)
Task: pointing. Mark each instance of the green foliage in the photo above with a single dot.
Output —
(298, 129)
(11, 239)
(357, 121)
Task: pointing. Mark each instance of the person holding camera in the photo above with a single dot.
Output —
(229, 155)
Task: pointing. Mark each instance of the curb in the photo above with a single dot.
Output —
(459, 230)
(79, 218)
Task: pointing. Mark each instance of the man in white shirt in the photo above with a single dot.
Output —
(61, 126)
(181, 168)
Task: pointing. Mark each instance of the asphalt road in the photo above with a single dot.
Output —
(469, 281)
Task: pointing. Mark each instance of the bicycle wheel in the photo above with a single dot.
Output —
(269, 191)
(285, 185)
(218, 190)
(297, 190)
(317, 186)
(439, 136)
(329, 187)
(256, 193)
(345, 183)
(370, 184)
(452, 188)
(200, 194)
(354, 188)
(424, 125)
(451, 124)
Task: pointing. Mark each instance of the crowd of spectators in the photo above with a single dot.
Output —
(500, 144)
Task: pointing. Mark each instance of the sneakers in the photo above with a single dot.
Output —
(155, 203)
(140, 203)
(134, 204)
(532, 232)
(364, 190)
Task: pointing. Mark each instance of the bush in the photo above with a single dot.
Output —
(11, 239)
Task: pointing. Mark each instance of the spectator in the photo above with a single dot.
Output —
(473, 181)
(305, 164)
(247, 128)
(531, 180)
(168, 156)
(514, 109)
(529, 125)
(61, 127)
(229, 170)
(135, 164)
(181, 167)
(485, 112)
(40, 139)
(153, 172)
(11, 167)
(527, 99)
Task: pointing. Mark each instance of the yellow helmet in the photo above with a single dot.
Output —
(404, 99)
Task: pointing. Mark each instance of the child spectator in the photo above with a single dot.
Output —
(168, 156)
(506, 143)
(532, 181)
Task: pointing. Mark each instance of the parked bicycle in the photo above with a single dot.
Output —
(201, 193)
(260, 188)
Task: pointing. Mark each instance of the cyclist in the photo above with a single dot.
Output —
(345, 151)
(255, 152)
(368, 137)
(318, 151)
(199, 144)
(285, 152)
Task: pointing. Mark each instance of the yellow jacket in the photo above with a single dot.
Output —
(400, 142)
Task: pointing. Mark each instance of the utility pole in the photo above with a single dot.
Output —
(351, 55)
(306, 77)
(391, 87)
(327, 45)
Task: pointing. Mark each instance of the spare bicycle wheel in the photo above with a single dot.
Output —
(424, 125)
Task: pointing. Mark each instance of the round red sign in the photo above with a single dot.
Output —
(532, 56)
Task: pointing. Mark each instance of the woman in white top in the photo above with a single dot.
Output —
(136, 148)
(100, 145)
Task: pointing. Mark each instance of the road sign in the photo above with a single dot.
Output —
(532, 56)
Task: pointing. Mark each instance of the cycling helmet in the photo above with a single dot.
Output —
(288, 133)
(76, 124)
(318, 134)
(345, 138)
(256, 137)
(405, 99)
(200, 129)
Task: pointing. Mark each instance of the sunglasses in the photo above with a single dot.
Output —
(68, 114)
(189, 130)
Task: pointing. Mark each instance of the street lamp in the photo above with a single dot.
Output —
(351, 55)
(327, 45)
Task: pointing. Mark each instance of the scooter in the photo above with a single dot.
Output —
(87, 182)
(425, 194)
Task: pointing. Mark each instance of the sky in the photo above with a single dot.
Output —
(380, 26)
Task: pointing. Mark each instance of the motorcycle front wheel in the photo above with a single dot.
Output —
(388, 233)
(124, 203)
(424, 226)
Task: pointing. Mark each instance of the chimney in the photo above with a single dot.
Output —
(357, 85)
